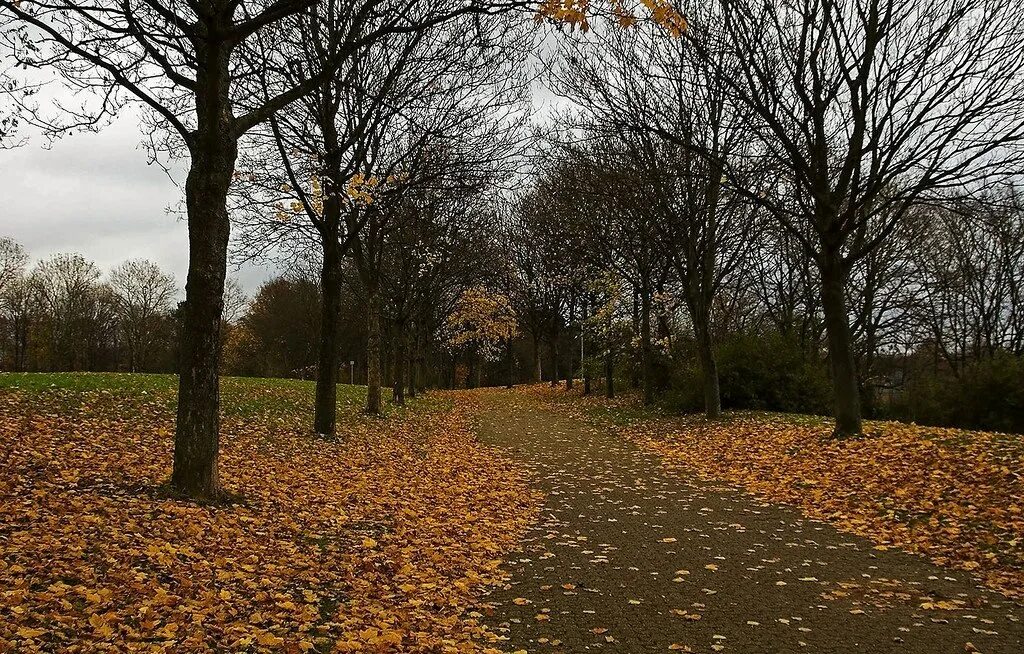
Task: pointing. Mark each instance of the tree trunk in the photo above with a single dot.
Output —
(840, 350)
(537, 372)
(373, 363)
(511, 363)
(414, 363)
(646, 355)
(569, 372)
(398, 388)
(387, 357)
(609, 373)
(326, 402)
(709, 372)
(197, 431)
(554, 361)
(584, 369)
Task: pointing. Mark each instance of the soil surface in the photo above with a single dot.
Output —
(628, 558)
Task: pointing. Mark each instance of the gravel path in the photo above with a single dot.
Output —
(626, 558)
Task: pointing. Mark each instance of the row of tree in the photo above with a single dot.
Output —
(375, 140)
(840, 132)
(215, 78)
(936, 313)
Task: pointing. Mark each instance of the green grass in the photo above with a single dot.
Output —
(35, 382)
(241, 397)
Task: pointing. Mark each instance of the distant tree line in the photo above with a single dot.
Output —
(62, 313)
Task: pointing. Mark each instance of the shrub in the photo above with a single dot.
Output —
(755, 371)
(988, 394)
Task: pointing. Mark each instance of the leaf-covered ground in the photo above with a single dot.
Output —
(954, 495)
(378, 542)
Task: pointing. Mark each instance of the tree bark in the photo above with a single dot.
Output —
(373, 362)
(511, 363)
(554, 361)
(197, 431)
(569, 372)
(537, 372)
(387, 357)
(840, 350)
(414, 359)
(646, 355)
(609, 373)
(401, 347)
(326, 402)
(709, 372)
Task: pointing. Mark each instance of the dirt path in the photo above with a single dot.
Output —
(628, 559)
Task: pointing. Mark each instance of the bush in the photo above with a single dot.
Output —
(989, 394)
(756, 371)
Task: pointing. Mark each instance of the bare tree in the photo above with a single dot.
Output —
(860, 109)
(970, 273)
(18, 300)
(235, 301)
(362, 135)
(145, 296)
(678, 130)
(75, 308)
(209, 72)
(610, 199)
(20, 306)
(13, 259)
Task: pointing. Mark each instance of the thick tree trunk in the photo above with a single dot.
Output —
(326, 402)
(197, 431)
(646, 354)
(401, 339)
(373, 362)
(709, 373)
(840, 350)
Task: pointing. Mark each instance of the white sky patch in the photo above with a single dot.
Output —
(94, 193)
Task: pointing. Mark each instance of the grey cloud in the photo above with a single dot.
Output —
(95, 194)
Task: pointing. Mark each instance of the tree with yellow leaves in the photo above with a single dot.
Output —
(483, 323)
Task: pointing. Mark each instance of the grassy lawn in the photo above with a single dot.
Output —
(954, 495)
(241, 397)
(332, 545)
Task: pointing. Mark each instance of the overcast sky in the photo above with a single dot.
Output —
(94, 194)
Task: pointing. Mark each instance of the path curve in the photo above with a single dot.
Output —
(627, 558)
